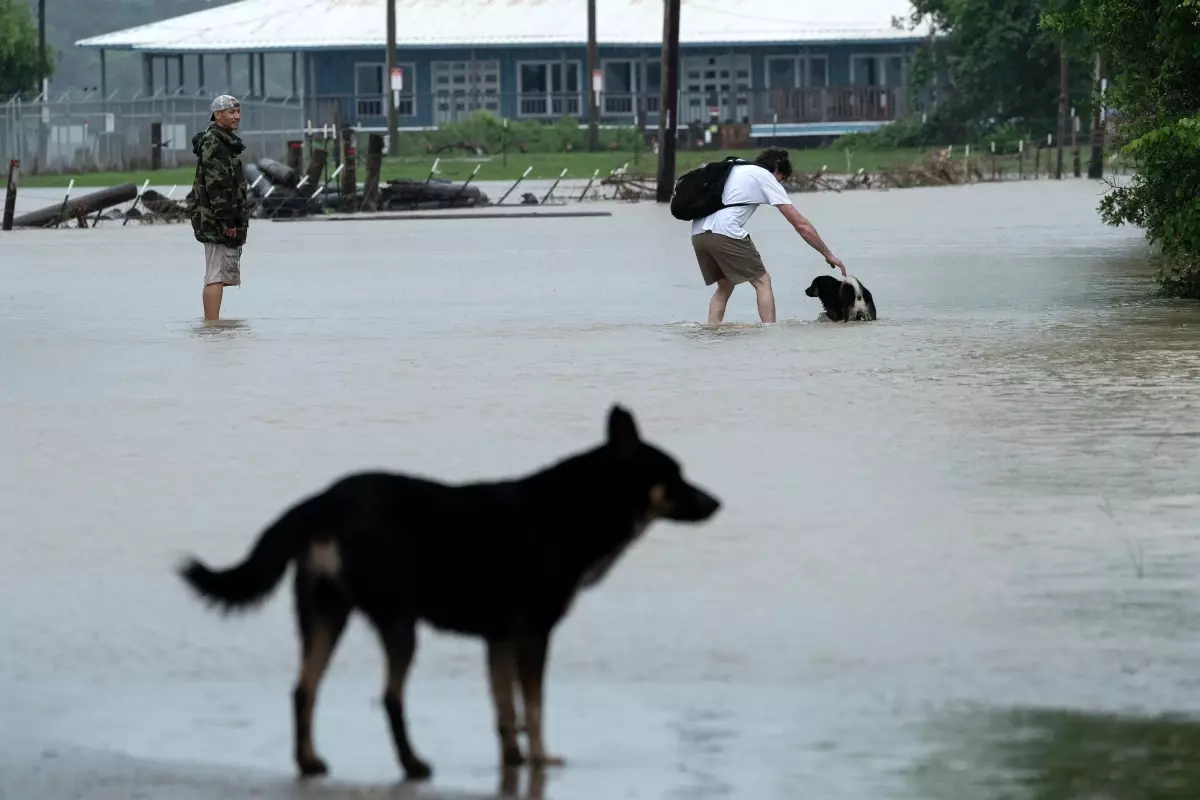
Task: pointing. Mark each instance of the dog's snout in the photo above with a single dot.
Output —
(706, 504)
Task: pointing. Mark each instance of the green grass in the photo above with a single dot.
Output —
(457, 166)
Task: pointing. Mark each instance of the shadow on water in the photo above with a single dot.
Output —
(103, 775)
(1062, 754)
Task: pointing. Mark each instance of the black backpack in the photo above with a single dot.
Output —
(698, 193)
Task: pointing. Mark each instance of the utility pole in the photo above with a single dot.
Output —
(1062, 105)
(42, 44)
(393, 127)
(669, 102)
(593, 89)
(44, 90)
(1096, 164)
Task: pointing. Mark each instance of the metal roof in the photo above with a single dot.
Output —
(299, 25)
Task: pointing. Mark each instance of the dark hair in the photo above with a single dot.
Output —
(775, 159)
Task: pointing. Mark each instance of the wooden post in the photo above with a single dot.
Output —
(393, 126)
(370, 199)
(10, 197)
(1074, 142)
(349, 173)
(1062, 106)
(316, 168)
(1096, 164)
(155, 145)
(669, 102)
(592, 63)
(295, 154)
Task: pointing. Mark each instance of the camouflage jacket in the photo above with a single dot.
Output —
(217, 200)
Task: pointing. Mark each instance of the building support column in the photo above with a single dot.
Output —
(148, 74)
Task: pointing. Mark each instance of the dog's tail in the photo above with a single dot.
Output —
(250, 582)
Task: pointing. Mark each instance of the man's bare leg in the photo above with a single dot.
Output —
(766, 297)
(720, 299)
(212, 300)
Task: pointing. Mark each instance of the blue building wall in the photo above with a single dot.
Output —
(333, 72)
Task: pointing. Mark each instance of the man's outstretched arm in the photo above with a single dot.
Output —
(809, 234)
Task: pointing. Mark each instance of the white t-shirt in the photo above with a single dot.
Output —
(747, 183)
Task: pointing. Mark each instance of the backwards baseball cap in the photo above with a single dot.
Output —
(223, 103)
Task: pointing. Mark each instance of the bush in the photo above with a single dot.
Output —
(487, 131)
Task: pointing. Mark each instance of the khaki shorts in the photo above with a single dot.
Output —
(222, 264)
(736, 260)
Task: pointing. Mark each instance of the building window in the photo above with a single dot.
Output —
(714, 87)
(624, 81)
(543, 90)
(797, 72)
(370, 85)
(462, 87)
(884, 70)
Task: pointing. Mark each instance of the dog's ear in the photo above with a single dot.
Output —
(622, 432)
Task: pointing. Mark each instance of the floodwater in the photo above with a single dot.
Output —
(957, 557)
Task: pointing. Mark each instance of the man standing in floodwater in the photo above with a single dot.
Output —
(217, 201)
(724, 250)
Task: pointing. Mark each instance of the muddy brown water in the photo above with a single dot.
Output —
(957, 557)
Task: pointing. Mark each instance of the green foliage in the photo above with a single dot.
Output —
(1153, 47)
(19, 70)
(938, 131)
(1001, 66)
(488, 131)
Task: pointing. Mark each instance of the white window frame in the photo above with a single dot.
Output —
(796, 60)
(880, 66)
(469, 97)
(407, 95)
(823, 57)
(692, 107)
(636, 77)
(548, 95)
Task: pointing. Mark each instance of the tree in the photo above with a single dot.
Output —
(1003, 68)
(19, 69)
(1153, 48)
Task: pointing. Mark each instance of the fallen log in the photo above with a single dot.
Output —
(278, 174)
(72, 209)
(162, 205)
(256, 182)
(400, 193)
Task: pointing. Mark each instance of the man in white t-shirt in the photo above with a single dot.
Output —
(724, 250)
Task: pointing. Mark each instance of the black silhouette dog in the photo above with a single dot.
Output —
(500, 560)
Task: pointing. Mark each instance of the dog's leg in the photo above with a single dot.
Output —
(400, 642)
(321, 611)
(502, 677)
(531, 666)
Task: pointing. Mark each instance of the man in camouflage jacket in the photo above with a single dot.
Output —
(217, 202)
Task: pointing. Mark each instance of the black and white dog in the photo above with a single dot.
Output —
(844, 300)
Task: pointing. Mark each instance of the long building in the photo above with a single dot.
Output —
(785, 68)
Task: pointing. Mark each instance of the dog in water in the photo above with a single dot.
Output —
(844, 300)
(499, 560)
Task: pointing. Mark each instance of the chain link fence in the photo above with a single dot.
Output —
(86, 132)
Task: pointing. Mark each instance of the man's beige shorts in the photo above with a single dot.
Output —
(222, 264)
(720, 256)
